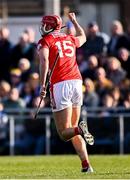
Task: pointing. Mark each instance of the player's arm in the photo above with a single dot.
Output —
(80, 34)
(43, 68)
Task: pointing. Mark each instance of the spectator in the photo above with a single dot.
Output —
(124, 57)
(118, 38)
(127, 101)
(27, 94)
(116, 94)
(106, 39)
(33, 81)
(17, 104)
(90, 98)
(24, 66)
(91, 67)
(102, 83)
(23, 49)
(5, 50)
(4, 90)
(33, 46)
(31, 34)
(15, 79)
(102, 59)
(128, 34)
(107, 105)
(115, 72)
(95, 43)
(13, 100)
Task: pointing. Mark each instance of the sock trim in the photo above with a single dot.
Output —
(85, 164)
(77, 131)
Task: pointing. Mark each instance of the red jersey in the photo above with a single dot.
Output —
(66, 67)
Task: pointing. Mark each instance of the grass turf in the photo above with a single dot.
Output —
(63, 167)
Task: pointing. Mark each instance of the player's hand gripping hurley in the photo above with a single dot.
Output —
(47, 83)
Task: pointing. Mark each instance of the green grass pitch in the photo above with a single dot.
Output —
(64, 167)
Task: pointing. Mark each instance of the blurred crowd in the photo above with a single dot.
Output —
(104, 62)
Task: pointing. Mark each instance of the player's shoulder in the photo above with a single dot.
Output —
(40, 40)
(41, 43)
(44, 39)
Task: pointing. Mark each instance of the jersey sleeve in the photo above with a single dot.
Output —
(75, 40)
(42, 44)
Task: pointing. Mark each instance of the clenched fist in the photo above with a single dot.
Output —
(43, 92)
(72, 17)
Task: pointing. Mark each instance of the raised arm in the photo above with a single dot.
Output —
(80, 34)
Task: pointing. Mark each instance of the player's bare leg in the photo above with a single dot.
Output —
(78, 142)
(67, 126)
(63, 123)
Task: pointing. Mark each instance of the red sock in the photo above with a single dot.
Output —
(77, 131)
(85, 164)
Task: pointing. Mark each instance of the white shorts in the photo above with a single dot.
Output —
(66, 93)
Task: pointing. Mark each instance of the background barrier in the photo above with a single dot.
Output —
(110, 128)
